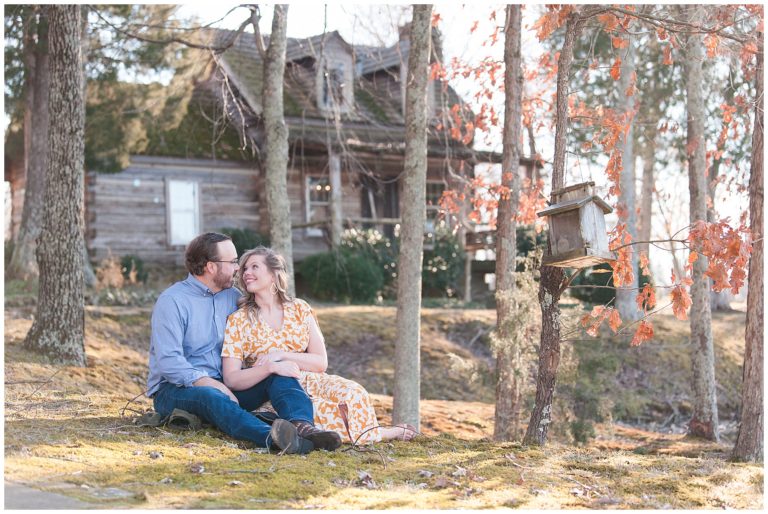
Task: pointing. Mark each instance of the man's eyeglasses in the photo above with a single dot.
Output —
(233, 261)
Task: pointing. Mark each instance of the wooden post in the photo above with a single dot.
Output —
(468, 276)
(334, 165)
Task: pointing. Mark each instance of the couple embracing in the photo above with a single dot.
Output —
(221, 353)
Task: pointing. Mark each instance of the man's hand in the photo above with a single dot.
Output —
(285, 369)
(210, 382)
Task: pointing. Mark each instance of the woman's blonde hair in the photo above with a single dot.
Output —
(276, 264)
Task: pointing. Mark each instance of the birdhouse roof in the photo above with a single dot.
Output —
(575, 204)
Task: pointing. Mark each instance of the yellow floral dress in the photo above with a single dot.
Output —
(339, 404)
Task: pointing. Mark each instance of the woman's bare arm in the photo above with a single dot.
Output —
(314, 359)
(238, 379)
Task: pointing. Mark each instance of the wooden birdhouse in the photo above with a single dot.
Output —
(577, 228)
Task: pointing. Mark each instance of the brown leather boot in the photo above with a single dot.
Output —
(322, 439)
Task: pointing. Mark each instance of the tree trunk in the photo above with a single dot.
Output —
(58, 329)
(89, 277)
(646, 201)
(335, 204)
(509, 372)
(749, 443)
(550, 285)
(719, 300)
(704, 422)
(23, 264)
(276, 140)
(407, 359)
(625, 295)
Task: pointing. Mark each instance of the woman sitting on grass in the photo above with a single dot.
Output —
(272, 333)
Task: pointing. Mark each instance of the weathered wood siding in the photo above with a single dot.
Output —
(127, 212)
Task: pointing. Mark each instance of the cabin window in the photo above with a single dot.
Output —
(434, 193)
(318, 194)
(183, 204)
(334, 85)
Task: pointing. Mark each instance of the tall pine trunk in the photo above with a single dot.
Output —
(704, 422)
(625, 295)
(407, 347)
(749, 443)
(23, 264)
(509, 372)
(58, 329)
(551, 283)
(276, 139)
(89, 276)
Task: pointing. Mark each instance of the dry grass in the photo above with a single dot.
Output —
(64, 433)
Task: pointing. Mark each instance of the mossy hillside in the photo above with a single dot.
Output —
(64, 432)
(456, 364)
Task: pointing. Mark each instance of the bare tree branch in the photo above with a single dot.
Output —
(213, 48)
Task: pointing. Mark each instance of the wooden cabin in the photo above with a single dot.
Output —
(344, 113)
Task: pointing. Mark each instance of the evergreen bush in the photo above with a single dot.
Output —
(443, 264)
(133, 266)
(600, 275)
(245, 239)
(342, 276)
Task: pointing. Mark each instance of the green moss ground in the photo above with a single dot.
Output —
(64, 431)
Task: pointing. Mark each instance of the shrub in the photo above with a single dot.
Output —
(528, 240)
(377, 248)
(600, 275)
(245, 239)
(443, 264)
(133, 269)
(342, 276)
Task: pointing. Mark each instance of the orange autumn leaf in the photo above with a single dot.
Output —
(616, 69)
(551, 20)
(711, 42)
(614, 320)
(619, 42)
(599, 314)
(644, 332)
(692, 257)
(727, 249)
(681, 302)
(609, 21)
(436, 19)
(630, 91)
(645, 270)
(646, 300)
(667, 55)
(474, 27)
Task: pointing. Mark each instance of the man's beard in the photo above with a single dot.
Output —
(223, 280)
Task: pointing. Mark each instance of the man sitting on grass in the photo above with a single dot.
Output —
(188, 324)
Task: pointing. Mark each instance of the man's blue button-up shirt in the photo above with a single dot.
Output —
(188, 324)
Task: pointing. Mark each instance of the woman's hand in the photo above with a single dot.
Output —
(270, 357)
(285, 369)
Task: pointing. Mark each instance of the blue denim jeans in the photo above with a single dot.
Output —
(286, 394)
